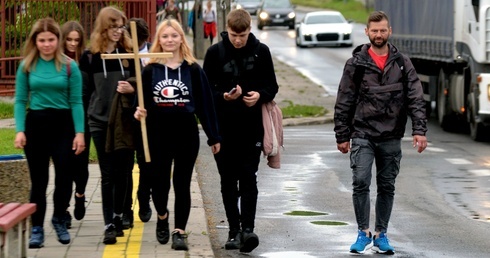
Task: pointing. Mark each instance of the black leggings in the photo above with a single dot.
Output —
(49, 134)
(182, 148)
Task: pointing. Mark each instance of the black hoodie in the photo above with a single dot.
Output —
(252, 68)
(174, 96)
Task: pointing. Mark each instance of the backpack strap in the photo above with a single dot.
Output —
(68, 68)
(221, 50)
(358, 75)
(401, 64)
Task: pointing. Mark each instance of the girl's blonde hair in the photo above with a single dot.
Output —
(185, 51)
(68, 27)
(107, 17)
(31, 53)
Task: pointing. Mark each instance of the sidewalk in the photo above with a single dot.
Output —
(140, 241)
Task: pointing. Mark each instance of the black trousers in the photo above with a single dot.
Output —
(115, 168)
(145, 180)
(49, 134)
(238, 164)
(81, 173)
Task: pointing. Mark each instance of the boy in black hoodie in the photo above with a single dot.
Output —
(241, 73)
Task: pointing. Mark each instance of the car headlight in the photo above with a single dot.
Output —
(263, 15)
(239, 6)
(291, 15)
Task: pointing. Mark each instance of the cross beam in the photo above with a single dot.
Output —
(139, 87)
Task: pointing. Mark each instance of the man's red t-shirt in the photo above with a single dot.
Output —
(379, 60)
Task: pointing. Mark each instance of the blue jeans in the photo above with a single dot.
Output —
(387, 154)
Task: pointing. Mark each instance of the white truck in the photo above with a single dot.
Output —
(448, 42)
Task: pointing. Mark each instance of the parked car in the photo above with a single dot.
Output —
(250, 6)
(323, 28)
(276, 13)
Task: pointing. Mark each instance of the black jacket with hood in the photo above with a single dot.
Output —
(252, 68)
(378, 108)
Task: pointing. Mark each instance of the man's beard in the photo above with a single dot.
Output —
(379, 45)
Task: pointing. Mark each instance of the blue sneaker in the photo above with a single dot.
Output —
(382, 245)
(37, 237)
(362, 243)
(59, 226)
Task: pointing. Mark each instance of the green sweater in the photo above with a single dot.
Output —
(48, 89)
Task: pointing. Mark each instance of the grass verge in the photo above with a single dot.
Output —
(6, 110)
(351, 9)
(296, 111)
(7, 137)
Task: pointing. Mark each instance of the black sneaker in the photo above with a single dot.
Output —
(178, 242)
(163, 233)
(59, 226)
(145, 213)
(68, 219)
(234, 240)
(110, 235)
(118, 226)
(250, 241)
(128, 220)
(79, 211)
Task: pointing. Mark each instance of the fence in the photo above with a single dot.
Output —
(17, 17)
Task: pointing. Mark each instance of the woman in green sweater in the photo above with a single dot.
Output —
(50, 84)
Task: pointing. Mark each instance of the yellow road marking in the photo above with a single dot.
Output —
(129, 245)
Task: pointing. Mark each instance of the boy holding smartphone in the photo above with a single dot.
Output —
(242, 78)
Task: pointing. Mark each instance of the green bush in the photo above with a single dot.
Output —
(16, 34)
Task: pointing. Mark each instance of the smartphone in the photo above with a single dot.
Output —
(232, 91)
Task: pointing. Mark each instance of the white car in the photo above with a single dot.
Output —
(323, 28)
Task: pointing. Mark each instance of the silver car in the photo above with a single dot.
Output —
(250, 6)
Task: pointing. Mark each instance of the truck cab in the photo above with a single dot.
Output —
(449, 45)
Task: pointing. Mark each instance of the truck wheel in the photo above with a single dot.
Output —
(428, 109)
(442, 111)
(477, 129)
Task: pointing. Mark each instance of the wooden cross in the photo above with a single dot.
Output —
(139, 87)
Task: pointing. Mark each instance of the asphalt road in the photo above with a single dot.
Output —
(433, 216)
